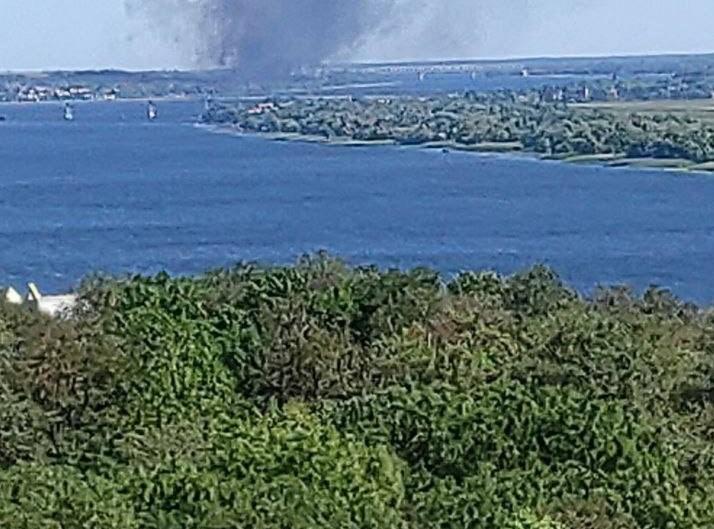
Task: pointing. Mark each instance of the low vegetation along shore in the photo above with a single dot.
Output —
(677, 135)
(322, 396)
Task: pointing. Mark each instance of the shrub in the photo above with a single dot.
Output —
(283, 470)
(322, 395)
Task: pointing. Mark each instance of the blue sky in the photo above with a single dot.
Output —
(42, 34)
(47, 34)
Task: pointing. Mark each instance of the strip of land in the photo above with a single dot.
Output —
(667, 135)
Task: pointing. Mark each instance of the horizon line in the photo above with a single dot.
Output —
(377, 63)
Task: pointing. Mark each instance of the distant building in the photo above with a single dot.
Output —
(28, 95)
(81, 92)
(262, 107)
(62, 93)
(552, 95)
(32, 94)
(44, 92)
(110, 94)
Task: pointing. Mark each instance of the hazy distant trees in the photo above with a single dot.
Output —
(549, 129)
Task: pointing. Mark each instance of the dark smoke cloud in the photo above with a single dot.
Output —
(264, 38)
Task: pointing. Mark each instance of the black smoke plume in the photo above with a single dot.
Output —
(263, 38)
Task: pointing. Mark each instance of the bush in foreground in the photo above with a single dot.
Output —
(321, 395)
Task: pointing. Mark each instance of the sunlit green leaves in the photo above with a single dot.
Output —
(321, 395)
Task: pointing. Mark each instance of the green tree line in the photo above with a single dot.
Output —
(321, 395)
(472, 120)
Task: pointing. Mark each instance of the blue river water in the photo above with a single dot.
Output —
(111, 192)
(444, 83)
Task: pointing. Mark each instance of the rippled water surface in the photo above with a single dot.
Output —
(111, 192)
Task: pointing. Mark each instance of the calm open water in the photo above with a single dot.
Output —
(111, 192)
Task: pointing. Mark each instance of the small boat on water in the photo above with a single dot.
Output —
(68, 112)
(3, 118)
(151, 111)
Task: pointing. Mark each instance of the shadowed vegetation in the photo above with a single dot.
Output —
(321, 395)
(506, 121)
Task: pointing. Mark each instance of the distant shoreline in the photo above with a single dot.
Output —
(90, 101)
(509, 150)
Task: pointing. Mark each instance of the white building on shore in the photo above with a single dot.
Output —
(52, 306)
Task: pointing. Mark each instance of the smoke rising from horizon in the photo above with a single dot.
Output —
(169, 34)
(263, 38)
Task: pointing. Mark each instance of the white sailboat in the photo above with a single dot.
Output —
(151, 111)
(68, 112)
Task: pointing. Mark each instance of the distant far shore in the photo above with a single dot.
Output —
(90, 101)
(504, 149)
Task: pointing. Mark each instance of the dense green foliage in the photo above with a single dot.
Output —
(325, 396)
(472, 120)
